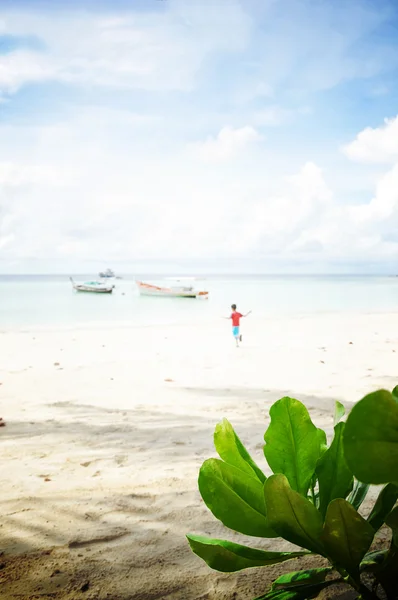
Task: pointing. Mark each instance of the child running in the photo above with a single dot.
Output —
(236, 317)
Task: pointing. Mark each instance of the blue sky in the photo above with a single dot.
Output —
(208, 130)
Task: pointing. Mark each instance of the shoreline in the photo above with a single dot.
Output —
(204, 321)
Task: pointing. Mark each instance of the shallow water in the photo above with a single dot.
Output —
(50, 300)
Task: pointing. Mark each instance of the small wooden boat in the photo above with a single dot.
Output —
(147, 289)
(95, 287)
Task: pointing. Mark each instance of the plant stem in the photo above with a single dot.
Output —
(313, 493)
(358, 586)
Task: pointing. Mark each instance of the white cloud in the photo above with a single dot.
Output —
(274, 224)
(229, 143)
(383, 208)
(361, 232)
(311, 186)
(375, 145)
(19, 207)
(128, 202)
(20, 67)
(168, 49)
(6, 239)
(155, 51)
(15, 175)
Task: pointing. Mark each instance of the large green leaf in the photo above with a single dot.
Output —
(371, 438)
(232, 451)
(334, 477)
(302, 592)
(234, 497)
(304, 577)
(293, 443)
(395, 392)
(227, 557)
(339, 412)
(291, 516)
(384, 504)
(346, 535)
(281, 595)
(373, 560)
(358, 494)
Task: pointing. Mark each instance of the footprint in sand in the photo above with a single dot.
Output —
(121, 459)
(141, 503)
(105, 537)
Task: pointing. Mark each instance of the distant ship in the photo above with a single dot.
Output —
(107, 274)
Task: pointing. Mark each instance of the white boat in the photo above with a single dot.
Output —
(147, 289)
(108, 274)
(95, 287)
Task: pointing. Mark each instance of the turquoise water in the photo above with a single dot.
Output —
(49, 300)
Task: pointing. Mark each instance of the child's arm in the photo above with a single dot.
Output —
(247, 314)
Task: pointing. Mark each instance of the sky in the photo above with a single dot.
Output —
(251, 134)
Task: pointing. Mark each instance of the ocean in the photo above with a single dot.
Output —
(49, 300)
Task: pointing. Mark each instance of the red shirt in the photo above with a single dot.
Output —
(236, 316)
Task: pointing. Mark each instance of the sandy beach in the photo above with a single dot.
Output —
(106, 428)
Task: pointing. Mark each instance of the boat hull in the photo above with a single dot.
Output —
(92, 288)
(147, 289)
(82, 288)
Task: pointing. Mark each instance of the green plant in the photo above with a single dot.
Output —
(312, 498)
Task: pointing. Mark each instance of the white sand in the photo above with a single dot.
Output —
(100, 454)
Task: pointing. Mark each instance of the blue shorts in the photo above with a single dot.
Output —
(235, 331)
